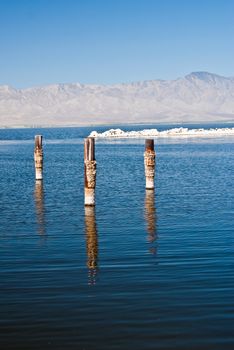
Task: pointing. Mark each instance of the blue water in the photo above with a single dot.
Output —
(143, 270)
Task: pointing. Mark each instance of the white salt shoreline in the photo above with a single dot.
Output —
(175, 132)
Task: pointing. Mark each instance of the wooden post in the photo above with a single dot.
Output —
(89, 171)
(38, 157)
(149, 161)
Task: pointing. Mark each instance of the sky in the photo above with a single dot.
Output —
(113, 41)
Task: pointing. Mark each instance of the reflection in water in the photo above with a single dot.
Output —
(150, 218)
(91, 244)
(39, 204)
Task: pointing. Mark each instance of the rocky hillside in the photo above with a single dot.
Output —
(198, 97)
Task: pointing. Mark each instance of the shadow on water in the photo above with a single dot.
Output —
(91, 244)
(151, 220)
(39, 206)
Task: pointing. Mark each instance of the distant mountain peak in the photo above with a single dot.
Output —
(205, 76)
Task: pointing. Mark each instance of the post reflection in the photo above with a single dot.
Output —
(39, 205)
(91, 244)
(151, 219)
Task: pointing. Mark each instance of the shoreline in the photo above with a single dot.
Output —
(56, 126)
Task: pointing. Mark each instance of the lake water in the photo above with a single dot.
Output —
(144, 270)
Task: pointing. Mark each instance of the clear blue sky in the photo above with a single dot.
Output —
(111, 41)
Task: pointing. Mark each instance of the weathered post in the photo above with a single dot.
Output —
(38, 157)
(149, 161)
(89, 171)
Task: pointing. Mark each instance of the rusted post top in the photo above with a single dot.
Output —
(89, 148)
(38, 141)
(149, 145)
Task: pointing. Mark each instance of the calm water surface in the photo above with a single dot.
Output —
(144, 270)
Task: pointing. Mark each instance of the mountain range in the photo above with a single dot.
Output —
(197, 97)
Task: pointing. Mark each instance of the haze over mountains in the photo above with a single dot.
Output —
(197, 97)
